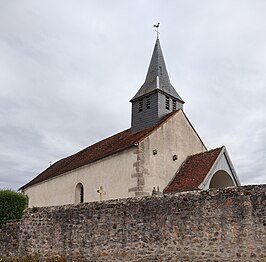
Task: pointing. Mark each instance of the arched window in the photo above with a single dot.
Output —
(221, 179)
(79, 193)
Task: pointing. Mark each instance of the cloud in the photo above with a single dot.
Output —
(69, 69)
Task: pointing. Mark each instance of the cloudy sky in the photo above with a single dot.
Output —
(68, 69)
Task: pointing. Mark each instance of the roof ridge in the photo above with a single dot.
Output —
(106, 138)
(94, 152)
(193, 170)
(157, 125)
(207, 151)
(193, 129)
(85, 148)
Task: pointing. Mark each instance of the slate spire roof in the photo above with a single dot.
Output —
(157, 76)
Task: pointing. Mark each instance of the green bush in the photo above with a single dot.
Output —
(12, 205)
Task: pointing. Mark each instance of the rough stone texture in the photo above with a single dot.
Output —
(213, 225)
(9, 242)
(138, 175)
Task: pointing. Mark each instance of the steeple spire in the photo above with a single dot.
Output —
(157, 76)
(156, 97)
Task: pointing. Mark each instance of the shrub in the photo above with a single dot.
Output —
(12, 205)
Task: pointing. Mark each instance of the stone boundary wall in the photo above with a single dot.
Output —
(213, 225)
(9, 237)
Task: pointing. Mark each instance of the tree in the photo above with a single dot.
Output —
(12, 204)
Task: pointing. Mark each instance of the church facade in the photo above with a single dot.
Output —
(160, 152)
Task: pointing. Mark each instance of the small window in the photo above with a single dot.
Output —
(148, 102)
(79, 194)
(140, 105)
(167, 102)
(174, 105)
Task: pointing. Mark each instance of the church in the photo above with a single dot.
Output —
(161, 153)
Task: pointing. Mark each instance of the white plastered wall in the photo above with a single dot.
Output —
(175, 137)
(223, 163)
(113, 173)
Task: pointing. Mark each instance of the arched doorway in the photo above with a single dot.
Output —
(79, 193)
(221, 179)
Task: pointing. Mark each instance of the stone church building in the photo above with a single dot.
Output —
(160, 152)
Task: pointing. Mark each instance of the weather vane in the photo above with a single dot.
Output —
(157, 29)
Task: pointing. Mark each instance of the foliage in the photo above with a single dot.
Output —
(12, 205)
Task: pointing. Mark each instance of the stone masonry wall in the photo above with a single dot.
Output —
(213, 225)
(9, 242)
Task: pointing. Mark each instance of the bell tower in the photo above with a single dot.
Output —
(156, 97)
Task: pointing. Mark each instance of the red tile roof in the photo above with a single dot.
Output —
(193, 171)
(97, 151)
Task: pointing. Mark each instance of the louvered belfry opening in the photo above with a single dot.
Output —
(156, 97)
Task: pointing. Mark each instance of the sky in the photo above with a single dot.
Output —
(68, 69)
